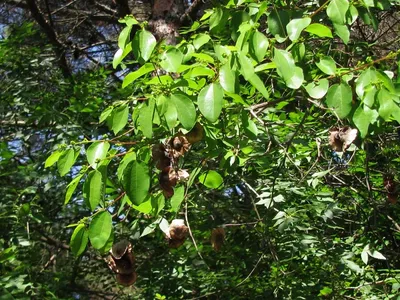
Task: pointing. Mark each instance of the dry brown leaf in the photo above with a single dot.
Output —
(127, 279)
(340, 139)
(217, 238)
(196, 134)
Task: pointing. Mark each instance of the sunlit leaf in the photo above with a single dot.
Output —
(296, 26)
(185, 109)
(210, 100)
(97, 152)
(340, 98)
(100, 229)
(211, 179)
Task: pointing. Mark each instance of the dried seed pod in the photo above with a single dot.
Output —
(217, 238)
(179, 145)
(160, 156)
(196, 134)
(175, 243)
(183, 175)
(177, 234)
(391, 188)
(178, 230)
(127, 279)
(340, 139)
(122, 262)
(168, 179)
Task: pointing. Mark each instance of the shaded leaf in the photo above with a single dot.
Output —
(136, 182)
(119, 118)
(79, 240)
(93, 189)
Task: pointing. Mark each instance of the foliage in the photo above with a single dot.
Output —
(254, 89)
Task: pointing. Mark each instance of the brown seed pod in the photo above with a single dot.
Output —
(127, 279)
(196, 134)
(168, 179)
(179, 145)
(121, 260)
(160, 156)
(341, 138)
(391, 188)
(177, 234)
(217, 238)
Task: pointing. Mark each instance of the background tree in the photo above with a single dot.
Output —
(283, 116)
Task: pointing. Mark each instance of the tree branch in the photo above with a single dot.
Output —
(51, 34)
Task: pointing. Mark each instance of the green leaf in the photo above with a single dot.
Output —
(319, 30)
(120, 54)
(53, 158)
(106, 113)
(286, 68)
(131, 156)
(124, 37)
(143, 45)
(336, 11)
(171, 115)
(327, 65)
(131, 77)
(145, 207)
(108, 245)
(93, 189)
(246, 66)
(119, 118)
(171, 60)
(136, 182)
(296, 26)
(386, 104)
(277, 22)
(164, 226)
(177, 198)
(250, 128)
(363, 117)
(377, 255)
(100, 229)
(210, 100)
(369, 96)
(258, 46)
(66, 161)
(158, 203)
(145, 118)
(317, 89)
(200, 40)
(185, 109)
(342, 31)
(79, 240)
(367, 77)
(71, 187)
(218, 19)
(228, 78)
(339, 98)
(96, 153)
(259, 85)
(211, 179)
